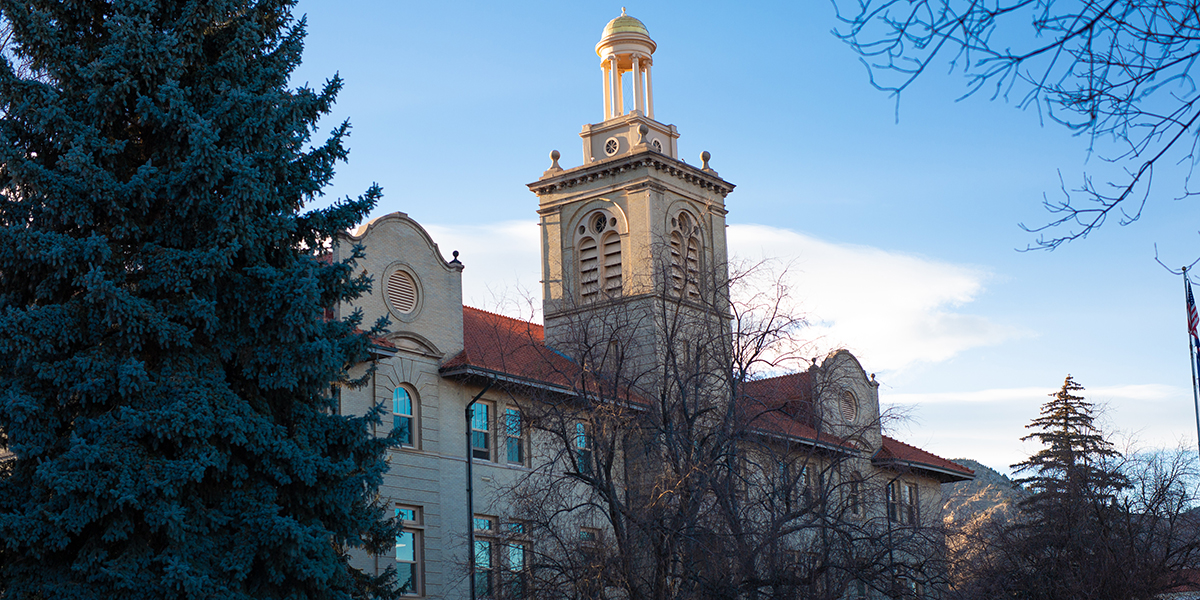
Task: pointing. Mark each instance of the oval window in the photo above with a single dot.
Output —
(402, 292)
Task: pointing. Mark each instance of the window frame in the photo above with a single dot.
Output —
(411, 416)
(854, 498)
(583, 453)
(483, 452)
(415, 529)
(486, 539)
(903, 503)
(520, 441)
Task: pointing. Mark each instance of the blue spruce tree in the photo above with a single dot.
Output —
(166, 364)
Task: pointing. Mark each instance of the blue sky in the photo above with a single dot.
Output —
(899, 235)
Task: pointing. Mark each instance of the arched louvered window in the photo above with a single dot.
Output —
(599, 246)
(612, 264)
(676, 275)
(401, 291)
(684, 276)
(589, 268)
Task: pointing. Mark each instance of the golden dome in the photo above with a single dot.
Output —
(624, 24)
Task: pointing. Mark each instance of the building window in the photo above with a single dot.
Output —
(583, 450)
(408, 550)
(854, 498)
(685, 257)
(402, 294)
(902, 503)
(516, 569)
(599, 246)
(403, 416)
(589, 536)
(908, 504)
(514, 437)
(849, 406)
(481, 431)
(485, 556)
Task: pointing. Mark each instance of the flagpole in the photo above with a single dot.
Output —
(1187, 288)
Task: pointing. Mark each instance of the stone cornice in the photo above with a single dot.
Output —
(645, 158)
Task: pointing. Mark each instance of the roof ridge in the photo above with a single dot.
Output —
(887, 438)
(514, 320)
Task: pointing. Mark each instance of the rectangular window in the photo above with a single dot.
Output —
(481, 431)
(485, 557)
(516, 569)
(590, 536)
(402, 415)
(908, 502)
(514, 435)
(408, 551)
(902, 503)
(893, 500)
(583, 449)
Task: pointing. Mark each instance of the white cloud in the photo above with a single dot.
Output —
(892, 309)
(502, 264)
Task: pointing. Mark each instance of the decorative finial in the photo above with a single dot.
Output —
(704, 156)
(643, 131)
(554, 156)
(455, 261)
(622, 11)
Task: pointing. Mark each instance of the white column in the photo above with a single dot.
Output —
(614, 87)
(620, 92)
(649, 94)
(637, 85)
(607, 90)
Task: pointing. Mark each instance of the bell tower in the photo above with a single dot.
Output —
(634, 234)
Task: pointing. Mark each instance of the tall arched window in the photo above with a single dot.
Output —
(685, 257)
(599, 245)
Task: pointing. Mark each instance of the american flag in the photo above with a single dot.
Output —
(1193, 318)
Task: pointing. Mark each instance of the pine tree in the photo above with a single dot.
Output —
(1075, 464)
(166, 360)
(1068, 541)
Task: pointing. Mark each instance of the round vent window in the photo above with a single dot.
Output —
(402, 292)
(611, 145)
(599, 222)
(657, 146)
(849, 406)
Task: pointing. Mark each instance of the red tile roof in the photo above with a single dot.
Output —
(497, 344)
(896, 452)
(514, 349)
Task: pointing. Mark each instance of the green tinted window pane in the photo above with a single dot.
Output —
(516, 451)
(406, 574)
(512, 422)
(483, 584)
(515, 527)
(482, 524)
(401, 402)
(405, 549)
(516, 557)
(483, 554)
(479, 417)
(581, 440)
(404, 426)
(587, 535)
(406, 514)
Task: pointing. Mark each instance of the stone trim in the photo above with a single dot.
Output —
(645, 159)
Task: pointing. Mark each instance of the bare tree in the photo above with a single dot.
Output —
(672, 470)
(1117, 70)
